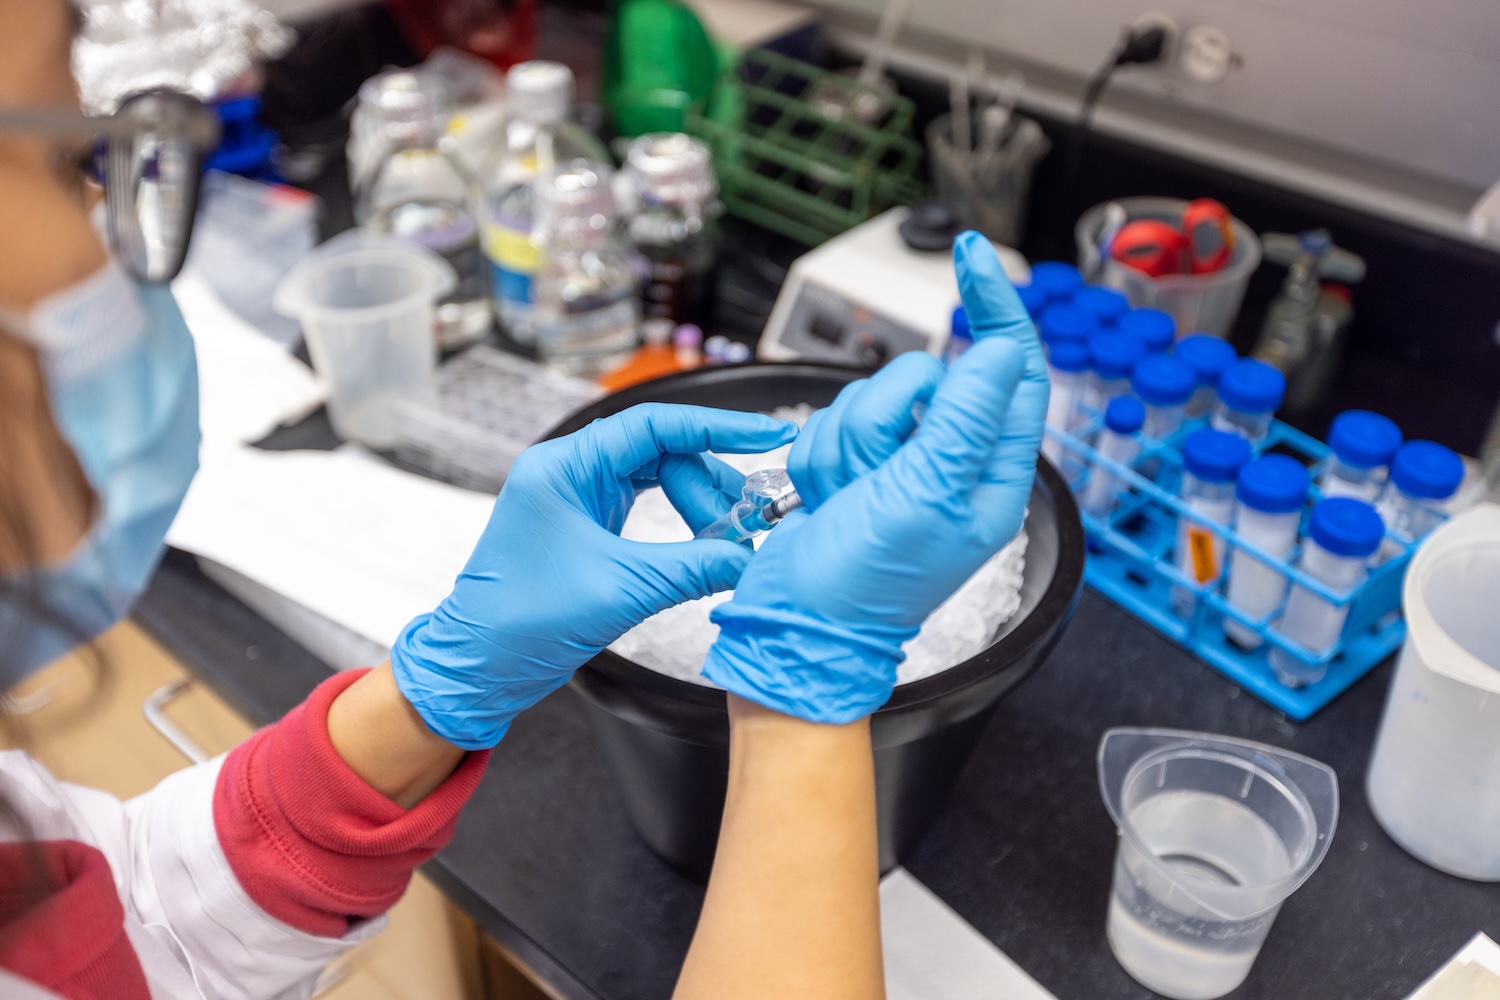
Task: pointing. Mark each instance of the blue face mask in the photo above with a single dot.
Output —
(122, 380)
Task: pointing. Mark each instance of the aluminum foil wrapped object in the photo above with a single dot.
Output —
(199, 47)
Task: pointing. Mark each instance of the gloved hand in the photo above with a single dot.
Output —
(551, 582)
(817, 622)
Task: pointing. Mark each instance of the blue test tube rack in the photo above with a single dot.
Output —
(1131, 561)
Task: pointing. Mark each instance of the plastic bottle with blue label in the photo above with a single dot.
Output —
(1209, 357)
(1165, 384)
(1272, 490)
(1120, 442)
(1424, 474)
(1211, 463)
(1363, 445)
(1249, 393)
(1104, 305)
(1343, 533)
(1067, 367)
(1155, 329)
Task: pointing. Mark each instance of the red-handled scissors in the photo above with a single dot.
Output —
(1150, 246)
(1209, 233)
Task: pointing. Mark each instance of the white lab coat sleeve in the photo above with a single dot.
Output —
(175, 881)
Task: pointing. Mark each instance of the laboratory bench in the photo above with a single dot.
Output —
(546, 862)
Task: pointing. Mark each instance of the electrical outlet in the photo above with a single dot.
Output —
(1205, 55)
(1156, 19)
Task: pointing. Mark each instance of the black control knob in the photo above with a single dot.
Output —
(930, 227)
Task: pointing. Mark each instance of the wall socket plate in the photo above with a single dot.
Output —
(1205, 54)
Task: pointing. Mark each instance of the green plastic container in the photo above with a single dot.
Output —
(658, 63)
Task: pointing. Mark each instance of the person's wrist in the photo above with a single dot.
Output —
(378, 733)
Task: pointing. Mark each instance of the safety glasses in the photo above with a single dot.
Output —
(149, 157)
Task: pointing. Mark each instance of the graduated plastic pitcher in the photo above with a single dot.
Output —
(1434, 781)
(1215, 833)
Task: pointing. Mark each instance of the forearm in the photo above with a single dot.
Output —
(384, 741)
(792, 906)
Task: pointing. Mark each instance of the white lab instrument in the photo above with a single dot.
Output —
(366, 302)
(1211, 461)
(1215, 833)
(1272, 490)
(1434, 780)
(1343, 533)
(866, 296)
(1120, 442)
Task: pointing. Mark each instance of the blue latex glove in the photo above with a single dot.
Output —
(817, 622)
(551, 582)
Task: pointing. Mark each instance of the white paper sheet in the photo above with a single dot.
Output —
(1472, 974)
(931, 953)
(247, 384)
(362, 544)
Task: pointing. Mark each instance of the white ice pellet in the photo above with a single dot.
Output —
(676, 641)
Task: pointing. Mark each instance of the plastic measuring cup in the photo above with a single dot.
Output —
(1215, 833)
(365, 301)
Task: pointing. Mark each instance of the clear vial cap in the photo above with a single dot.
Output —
(576, 200)
(670, 168)
(539, 91)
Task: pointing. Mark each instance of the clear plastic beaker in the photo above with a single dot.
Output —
(365, 301)
(1215, 833)
(1200, 303)
(987, 187)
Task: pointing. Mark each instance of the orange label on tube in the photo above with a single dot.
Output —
(1202, 553)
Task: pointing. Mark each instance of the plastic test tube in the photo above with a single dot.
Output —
(1056, 279)
(1272, 491)
(1342, 535)
(1164, 384)
(1423, 475)
(1363, 444)
(1034, 299)
(1249, 393)
(1209, 357)
(1067, 367)
(1063, 322)
(1154, 328)
(1120, 441)
(1113, 357)
(1104, 305)
(1211, 461)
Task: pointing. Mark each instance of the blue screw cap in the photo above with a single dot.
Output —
(1427, 470)
(1069, 355)
(1124, 415)
(1215, 456)
(1066, 323)
(1115, 355)
(1162, 380)
(1105, 305)
(1155, 328)
(1346, 527)
(1363, 439)
(1034, 298)
(1273, 484)
(1057, 279)
(959, 329)
(1252, 386)
(1207, 355)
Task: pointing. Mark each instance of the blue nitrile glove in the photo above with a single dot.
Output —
(817, 622)
(551, 582)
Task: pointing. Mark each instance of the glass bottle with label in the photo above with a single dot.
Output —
(673, 224)
(584, 316)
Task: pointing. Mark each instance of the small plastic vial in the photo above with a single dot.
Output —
(1342, 535)
(1363, 444)
(1056, 280)
(1272, 491)
(1113, 357)
(1067, 367)
(1209, 357)
(1155, 329)
(1065, 323)
(1104, 305)
(1164, 384)
(1120, 441)
(1034, 299)
(1211, 462)
(1249, 393)
(960, 336)
(585, 314)
(687, 345)
(1423, 475)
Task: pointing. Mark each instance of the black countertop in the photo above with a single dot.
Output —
(545, 860)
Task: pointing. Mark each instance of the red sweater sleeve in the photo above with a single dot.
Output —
(312, 843)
